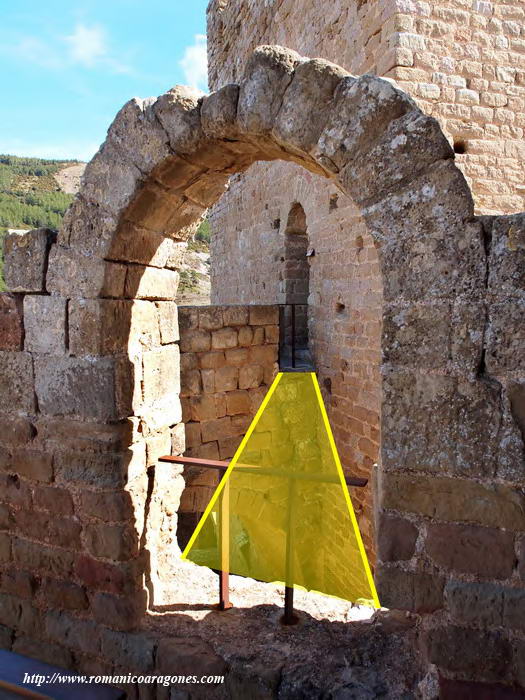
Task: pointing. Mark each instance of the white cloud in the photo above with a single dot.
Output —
(87, 45)
(194, 63)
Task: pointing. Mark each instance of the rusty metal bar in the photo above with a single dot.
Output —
(293, 336)
(222, 466)
(224, 544)
(289, 617)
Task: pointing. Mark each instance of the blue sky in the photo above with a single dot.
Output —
(66, 68)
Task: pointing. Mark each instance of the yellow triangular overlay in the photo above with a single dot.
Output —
(282, 511)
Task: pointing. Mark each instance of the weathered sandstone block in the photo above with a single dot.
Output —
(11, 322)
(25, 259)
(45, 324)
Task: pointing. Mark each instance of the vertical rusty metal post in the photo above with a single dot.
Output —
(289, 618)
(224, 547)
(293, 335)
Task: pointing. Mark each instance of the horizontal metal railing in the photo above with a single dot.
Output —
(224, 516)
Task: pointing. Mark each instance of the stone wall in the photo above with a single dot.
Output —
(461, 60)
(345, 298)
(92, 396)
(229, 358)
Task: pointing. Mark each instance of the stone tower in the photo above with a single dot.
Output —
(463, 62)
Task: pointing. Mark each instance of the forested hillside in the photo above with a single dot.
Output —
(30, 196)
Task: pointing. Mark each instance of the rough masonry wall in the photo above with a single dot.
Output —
(229, 359)
(463, 63)
(344, 303)
(461, 60)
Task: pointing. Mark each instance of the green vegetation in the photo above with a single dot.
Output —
(30, 196)
(189, 279)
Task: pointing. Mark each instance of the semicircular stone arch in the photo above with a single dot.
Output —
(164, 162)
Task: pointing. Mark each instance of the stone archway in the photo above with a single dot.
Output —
(105, 400)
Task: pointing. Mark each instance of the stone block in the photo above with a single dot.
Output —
(195, 340)
(360, 112)
(110, 180)
(76, 634)
(136, 124)
(134, 244)
(307, 103)
(71, 274)
(219, 111)
(107, 505)
(464, 442)
(210, 318)
(514, 608)
(168, 321)
(203, 408)
(216, 429)
(188, 656)
(406, 148)
(16, 432)
(35, 556)
(506, 337)
(133, 651)
(25, 260)
(477, 653)
(11, 322)
(18, 582)
(250, 376)
(101, 470)
(50, 528)
(235, 315)
(14, 491)
(475, 603)
(245, 336)
(236, 356)
(451, 261)
(76, 387)
(116, 542)
(193, 434)
(151, 283)
(191, 383)
(117, 612)
(188, 318)
(16, 382)
(33, 465)
(178, 439)
(237, 402)
(463, 548)
(268, 73)
(111, 326)
(452, 499)
(224, 338)
(53, 499)
(161, 373)
(507, 254)
(258, 335)
(106, 576)
(157, 446)
(406, 590)
(212, 360)
(263, 355)
(271, 334)
(45, 324)
(178, 112)
(264, 315)
(62, 595)
(396, 538)
(226, 379)
(5, 547)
